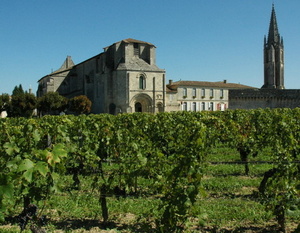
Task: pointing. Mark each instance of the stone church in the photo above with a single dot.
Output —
(122, 79)
(273, 93)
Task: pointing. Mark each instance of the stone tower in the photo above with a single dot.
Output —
(273, 56)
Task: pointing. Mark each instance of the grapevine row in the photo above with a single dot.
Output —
(169, 148)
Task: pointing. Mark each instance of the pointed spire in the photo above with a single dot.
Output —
(273, 36)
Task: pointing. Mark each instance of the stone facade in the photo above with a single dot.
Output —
(51, 82)
(199, 95)
(122, 79)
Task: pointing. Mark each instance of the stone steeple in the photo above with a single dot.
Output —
(273, 56)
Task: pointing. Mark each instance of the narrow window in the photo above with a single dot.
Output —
(203, 92)
(211, 93)
(194, 106)
(203, 106)
(211, 106)
(194, 92)
(221, 93)
(136, 49)
(184, 106)
(142, 82)
(184, 92)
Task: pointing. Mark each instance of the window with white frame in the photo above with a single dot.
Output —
(203, 92)
(194, 106)
(211, 93)
(211, 106)
(194, 92)
(184, 92)
(221, 93)
(184, 106)
(203, 106)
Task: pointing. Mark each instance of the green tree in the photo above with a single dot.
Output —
(22, 105)
(52, 103)
(18, 90)
(80, 104)
(4, 102)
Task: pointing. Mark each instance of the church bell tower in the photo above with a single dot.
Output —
(273, 56)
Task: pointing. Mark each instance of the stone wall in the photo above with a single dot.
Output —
(264, 98)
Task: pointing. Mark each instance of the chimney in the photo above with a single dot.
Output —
(170, 81)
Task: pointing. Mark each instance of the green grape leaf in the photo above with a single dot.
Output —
(28, 175)
(10, 148)
(36, 135)
(42, 168)
(58, 152)
(2, 217)
(7, 190)
(26, 164)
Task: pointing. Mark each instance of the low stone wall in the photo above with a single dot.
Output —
(263, 98)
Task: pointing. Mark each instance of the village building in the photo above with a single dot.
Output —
(199, 95)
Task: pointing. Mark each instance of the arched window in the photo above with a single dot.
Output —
(142, 82)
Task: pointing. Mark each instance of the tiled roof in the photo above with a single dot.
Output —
(130, 40)
(223, 84)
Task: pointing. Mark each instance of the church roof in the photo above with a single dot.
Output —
(223, 84)
(130, 40)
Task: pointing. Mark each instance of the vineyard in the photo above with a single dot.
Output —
(169, 172)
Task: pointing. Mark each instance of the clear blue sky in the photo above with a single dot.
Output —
(203, 40)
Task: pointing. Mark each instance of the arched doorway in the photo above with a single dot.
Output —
(138, 107)
(141, 103)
